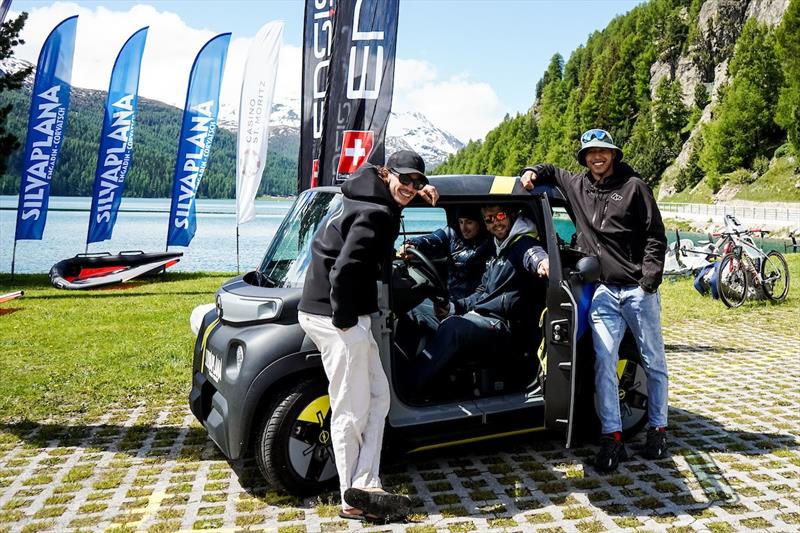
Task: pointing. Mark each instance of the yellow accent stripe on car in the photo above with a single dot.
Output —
(621, 364)
(320, 405)
(476, 439)
(207, 332)
(503, 185)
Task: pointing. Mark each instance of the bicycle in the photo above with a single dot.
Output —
(745, 269)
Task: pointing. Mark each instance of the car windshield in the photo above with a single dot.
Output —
(289, 253)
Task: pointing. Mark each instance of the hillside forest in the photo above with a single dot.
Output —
(156, 144)
(688, 95)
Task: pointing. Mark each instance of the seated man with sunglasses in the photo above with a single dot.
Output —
(618, 221)
(510, 292)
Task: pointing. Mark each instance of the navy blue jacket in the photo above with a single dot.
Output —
(467, 258)
(510, 286)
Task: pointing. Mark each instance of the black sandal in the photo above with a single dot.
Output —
(391, 506)
(361, 517)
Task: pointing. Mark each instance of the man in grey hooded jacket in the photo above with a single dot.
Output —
(509, 293)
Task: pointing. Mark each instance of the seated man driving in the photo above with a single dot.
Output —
(506, 300)
(467, 249)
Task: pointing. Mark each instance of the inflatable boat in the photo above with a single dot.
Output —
(89, 271)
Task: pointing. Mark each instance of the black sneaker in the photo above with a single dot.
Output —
(612, 451)
(655, 446)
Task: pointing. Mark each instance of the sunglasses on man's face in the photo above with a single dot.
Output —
(500, 216)
(407, 180)
(600, 135)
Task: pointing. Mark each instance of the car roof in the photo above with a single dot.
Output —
(475, 187)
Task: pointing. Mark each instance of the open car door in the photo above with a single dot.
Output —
(560, 330)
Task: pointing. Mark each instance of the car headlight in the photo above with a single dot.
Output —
(245, 309)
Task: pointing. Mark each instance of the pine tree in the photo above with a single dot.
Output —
(9, 38)
(743, 125)
(788, 36)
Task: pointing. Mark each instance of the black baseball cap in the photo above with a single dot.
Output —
(407, 162)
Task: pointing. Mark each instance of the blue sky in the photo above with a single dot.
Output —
(464, 64)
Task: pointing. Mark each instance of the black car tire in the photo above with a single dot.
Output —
(293, 454)
(633, 395)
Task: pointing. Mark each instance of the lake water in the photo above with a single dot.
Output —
(142, 225)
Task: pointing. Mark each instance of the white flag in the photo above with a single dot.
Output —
(258, 88)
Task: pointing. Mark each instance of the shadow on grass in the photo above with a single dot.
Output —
(525, 465)
(9, 310)
(710, 348)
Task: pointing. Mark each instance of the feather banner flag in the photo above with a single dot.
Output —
(114, 157)
(258, 89)
(197, 134)
(5, 5)
(46, 128)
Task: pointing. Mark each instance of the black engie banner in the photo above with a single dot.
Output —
(359, 91)
(317, 42)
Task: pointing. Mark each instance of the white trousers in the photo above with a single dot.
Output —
(359, 396)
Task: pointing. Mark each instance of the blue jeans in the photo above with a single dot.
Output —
(614, 306)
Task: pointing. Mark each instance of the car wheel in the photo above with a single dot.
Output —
(632, 395)
(632, 389)
(293, 440)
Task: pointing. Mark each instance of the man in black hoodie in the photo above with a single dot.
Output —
(352, 251)
(618, 221)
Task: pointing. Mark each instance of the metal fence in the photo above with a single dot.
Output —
(778, 214)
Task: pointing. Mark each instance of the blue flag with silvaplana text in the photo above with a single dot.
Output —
(5, 5)
(114, 157)
(46, 128)
(197, 134)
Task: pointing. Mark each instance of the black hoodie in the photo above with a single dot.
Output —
(617, 221)
(350, 251)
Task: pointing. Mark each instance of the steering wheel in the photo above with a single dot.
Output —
(426, 268)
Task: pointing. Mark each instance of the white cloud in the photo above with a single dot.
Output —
(465, 107)
(461, 105)
(168, 55)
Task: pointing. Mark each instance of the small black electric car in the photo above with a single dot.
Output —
(258, 386)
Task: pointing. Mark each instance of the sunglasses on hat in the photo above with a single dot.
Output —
(500, 216)
(407, 180)
(600, 135)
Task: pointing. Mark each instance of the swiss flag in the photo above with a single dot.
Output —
(315, 173)
(356, 147)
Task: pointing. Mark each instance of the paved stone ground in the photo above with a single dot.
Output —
(735, 429)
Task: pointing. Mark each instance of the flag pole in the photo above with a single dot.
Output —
(238, 270)
(13, 258)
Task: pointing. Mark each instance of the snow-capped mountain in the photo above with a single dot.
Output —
(415, 131)
(284, 119)
(11, 65)
(405, 130)
(409, 130)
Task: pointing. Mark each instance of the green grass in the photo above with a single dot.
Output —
(699, 194)
(77, 353)
(681, 303)
(776, 185)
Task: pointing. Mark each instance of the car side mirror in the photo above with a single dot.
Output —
(588, 269)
